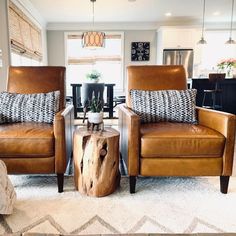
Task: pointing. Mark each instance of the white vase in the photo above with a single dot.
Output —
(234, 72)
(95, 117)
(92, 81)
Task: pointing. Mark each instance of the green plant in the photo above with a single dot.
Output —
(94, 75)
(96, 104)
(227, 64)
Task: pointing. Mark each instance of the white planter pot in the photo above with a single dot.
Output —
(93, 81)
(95, 117)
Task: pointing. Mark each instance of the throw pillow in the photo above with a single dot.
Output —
(164, 105)
(38, 107)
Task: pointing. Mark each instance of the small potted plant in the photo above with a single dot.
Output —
(93, 76)
(95, 115)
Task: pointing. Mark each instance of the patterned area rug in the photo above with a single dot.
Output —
(160, 205)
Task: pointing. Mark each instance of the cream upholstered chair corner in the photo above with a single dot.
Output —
(38, 148)
(169, 148)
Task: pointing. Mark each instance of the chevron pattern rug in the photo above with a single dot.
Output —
(160, 205)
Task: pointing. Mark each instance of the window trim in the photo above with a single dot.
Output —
(116, 91)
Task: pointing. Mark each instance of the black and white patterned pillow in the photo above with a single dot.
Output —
(165, 105)
(38, 107)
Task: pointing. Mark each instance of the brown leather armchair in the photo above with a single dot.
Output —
(174, 149)
(38, 148)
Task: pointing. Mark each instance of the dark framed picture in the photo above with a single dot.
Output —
(140, 51)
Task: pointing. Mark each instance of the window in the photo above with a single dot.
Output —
(108, 60)
(25, 38)
(21, 60)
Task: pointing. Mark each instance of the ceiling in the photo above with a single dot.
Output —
(55, 11)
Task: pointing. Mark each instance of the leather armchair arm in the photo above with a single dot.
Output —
(63, 132)
(225, 124)
(129, 126)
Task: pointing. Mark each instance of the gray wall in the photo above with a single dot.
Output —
(56, 47)
(4, 44)
(140, 36)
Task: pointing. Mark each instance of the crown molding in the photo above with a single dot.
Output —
(103, 26)
(65, 26)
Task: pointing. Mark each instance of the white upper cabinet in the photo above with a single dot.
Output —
(177, 38)
(172, 37)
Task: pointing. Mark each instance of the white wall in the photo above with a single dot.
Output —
(4, 44)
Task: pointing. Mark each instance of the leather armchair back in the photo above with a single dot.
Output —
(155, 78)
(38, 79)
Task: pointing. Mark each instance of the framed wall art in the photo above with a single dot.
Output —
(140, 51)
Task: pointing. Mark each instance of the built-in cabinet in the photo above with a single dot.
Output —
(171, 37)
(177, 38)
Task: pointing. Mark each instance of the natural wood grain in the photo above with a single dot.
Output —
(96, 160)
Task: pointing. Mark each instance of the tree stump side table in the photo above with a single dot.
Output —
(96, 161)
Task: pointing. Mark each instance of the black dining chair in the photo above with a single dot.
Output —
(215, 94)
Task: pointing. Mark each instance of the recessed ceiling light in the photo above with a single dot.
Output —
(131, 0)
(168, 14)
(216, 13)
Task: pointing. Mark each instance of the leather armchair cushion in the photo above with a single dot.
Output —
(27, 139)
(166, 139)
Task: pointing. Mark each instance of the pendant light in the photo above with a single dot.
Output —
(202, 40)
(231, 41)
(93, 39)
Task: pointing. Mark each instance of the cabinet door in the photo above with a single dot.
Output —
(178, 38)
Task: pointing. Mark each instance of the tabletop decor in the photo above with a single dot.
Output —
(93, 76)
(95, 115)
(227, 65)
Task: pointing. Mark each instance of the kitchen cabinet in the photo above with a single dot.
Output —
(176, 38)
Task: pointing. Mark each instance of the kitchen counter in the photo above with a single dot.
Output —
(228, 87)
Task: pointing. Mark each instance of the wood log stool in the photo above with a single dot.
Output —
(96, 161)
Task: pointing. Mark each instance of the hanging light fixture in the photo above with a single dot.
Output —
(93, 39)
(231, 41)
(202, 40)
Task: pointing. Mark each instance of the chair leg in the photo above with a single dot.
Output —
(214, 100)
(122, 167)
(224, 182)
(132, 183)
(85, 111)
(60, 182)
(221, 102)
(203, 101)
